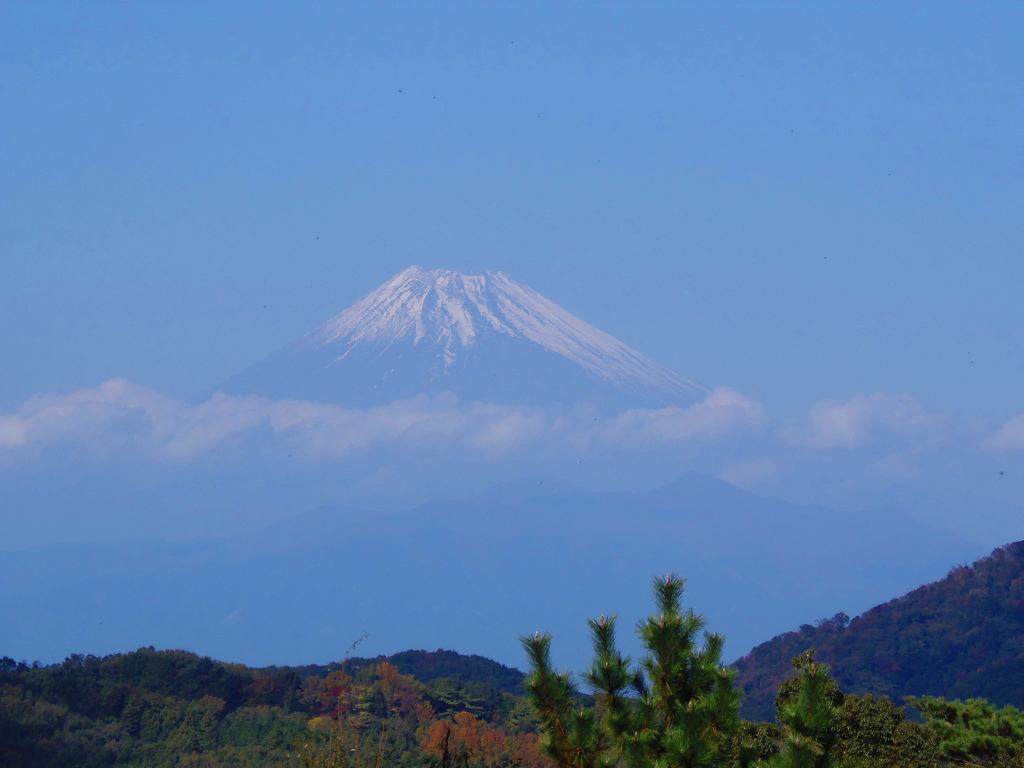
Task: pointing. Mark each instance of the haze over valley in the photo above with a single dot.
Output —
(458, 350)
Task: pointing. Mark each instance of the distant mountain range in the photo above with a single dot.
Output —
(470, 575)
(959, 637)
(481, 336)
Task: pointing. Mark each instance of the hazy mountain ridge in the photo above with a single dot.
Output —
(958, 637)
(482, 336)
(452, 574)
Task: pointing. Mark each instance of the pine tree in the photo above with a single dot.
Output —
(974, 732)
(677, 709)
(807, 717)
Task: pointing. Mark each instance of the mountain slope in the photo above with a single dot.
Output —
(482, 336)
(960, 637)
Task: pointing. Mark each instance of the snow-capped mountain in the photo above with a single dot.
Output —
(482, 336)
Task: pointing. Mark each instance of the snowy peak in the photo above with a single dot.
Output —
(455, 312)
(437, 307)
(479, 336)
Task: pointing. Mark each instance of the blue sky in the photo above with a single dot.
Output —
(806, 203)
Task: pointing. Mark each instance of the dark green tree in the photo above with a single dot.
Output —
(872, 732)
(823, 728)
(677, 709)
(974, 732)
(807, 709)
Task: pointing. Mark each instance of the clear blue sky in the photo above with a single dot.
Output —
(798, 200)
(816, 205)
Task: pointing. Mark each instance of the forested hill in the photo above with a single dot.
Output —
(959, 637)
(173, 708)
(428, 666)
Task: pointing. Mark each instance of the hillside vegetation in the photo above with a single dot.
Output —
(960, 637)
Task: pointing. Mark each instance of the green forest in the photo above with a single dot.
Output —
(678, 705)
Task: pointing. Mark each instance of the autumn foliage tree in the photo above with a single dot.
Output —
(465, 740)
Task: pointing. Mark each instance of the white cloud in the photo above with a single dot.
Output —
(13, 432)
(852, 454)
(723, 413)
(861, 420)
(121, 419)
(866, 442)
(1009, 438)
